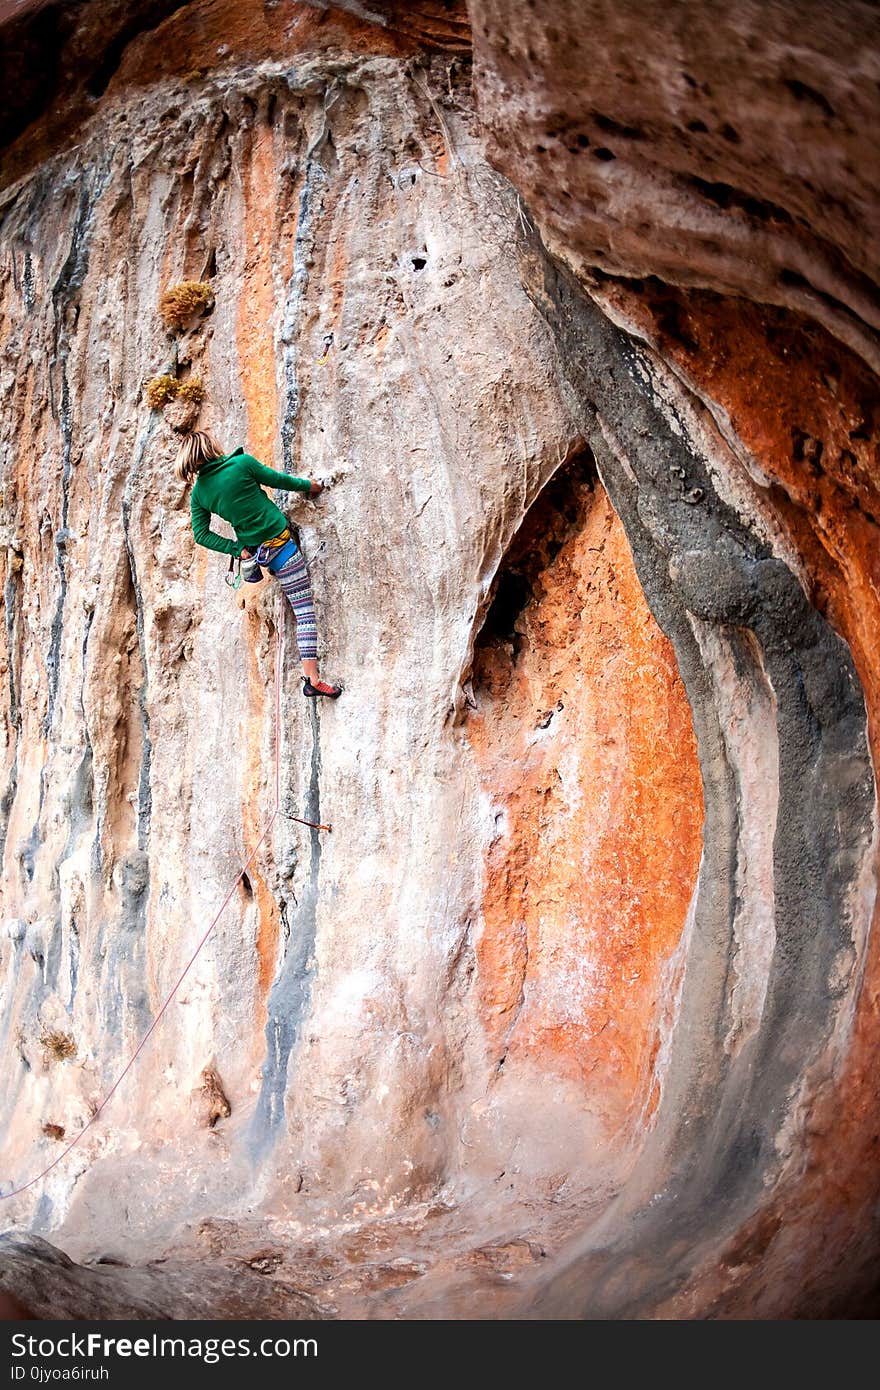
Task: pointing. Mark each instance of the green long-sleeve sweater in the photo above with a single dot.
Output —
(230, 487)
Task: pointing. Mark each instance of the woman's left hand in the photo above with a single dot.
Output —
(315, 487)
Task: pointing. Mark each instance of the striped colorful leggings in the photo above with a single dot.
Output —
(287, 564)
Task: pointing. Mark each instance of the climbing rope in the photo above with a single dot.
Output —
(183, 974)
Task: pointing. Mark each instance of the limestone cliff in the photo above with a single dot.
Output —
(571, 1012)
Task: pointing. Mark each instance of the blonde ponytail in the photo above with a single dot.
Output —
(196, 448)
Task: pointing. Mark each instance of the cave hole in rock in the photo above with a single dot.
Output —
(801, 91)
(612, 127)
(793, 279)
(556, 514)
(725, 196)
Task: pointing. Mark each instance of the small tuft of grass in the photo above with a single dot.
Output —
(159, 391)
(53, 1131)
(57, 1046)
(182, 302)
(192, 391)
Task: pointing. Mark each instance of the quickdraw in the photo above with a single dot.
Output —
(233, 574)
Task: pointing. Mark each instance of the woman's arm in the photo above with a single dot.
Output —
(201, 524)
(262, 474)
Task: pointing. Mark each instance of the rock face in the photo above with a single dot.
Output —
(727, 147)
(570, 1012)
(725, 158)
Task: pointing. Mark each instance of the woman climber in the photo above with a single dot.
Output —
(229, 486)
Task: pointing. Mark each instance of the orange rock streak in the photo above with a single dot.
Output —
(599, 815)
(256, 339)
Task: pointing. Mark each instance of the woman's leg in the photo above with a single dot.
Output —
(294, 580)
(296, 586)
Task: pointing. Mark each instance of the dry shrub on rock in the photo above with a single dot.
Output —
(182, 302)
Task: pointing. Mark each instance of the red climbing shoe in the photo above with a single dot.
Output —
(332, 692)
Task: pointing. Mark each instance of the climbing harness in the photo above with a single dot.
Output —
(277, 559)
(23, 1187)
